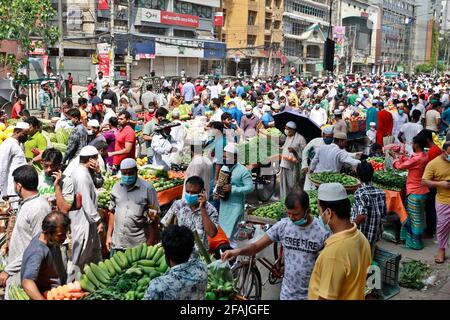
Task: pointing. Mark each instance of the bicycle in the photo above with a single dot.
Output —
(265, 179)
(245, 271)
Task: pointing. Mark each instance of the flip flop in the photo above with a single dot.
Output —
(439, 261)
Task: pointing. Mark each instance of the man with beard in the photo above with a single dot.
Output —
(12, 157)
(149, 129)
(109, 94)
(86, 222)
(94, 133)
(77, 139)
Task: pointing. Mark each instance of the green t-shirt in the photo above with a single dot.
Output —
(149, 128)
(37, 141)
(352, 99)
(46, 188)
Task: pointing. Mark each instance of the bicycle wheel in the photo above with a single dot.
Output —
(248, 281)
(265, 187)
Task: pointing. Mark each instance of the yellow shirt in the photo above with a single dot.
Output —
(340, 271)
(439, 170)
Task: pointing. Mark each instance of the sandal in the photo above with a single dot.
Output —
(438, 261)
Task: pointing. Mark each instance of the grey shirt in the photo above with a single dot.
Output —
(43, 264)
(32, 212)
(301, 247)
(130, 208)
(148, 97)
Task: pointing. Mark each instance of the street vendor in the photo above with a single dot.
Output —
(194, 211)
(201, 166)
(241, 183)
(302, 237)
(36, 142)
(149, 130)
(290, 159)
(163, 145)
(187, 279)
(42, 266)
(133, 207)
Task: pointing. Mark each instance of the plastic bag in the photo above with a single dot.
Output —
(221, 269)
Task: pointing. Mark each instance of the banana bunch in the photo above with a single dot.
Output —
(437, 141)
(141, 161)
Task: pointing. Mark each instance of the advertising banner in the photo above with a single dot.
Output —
(178, 19)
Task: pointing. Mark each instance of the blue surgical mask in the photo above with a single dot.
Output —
(400, 112)
(328, 140)
(191, 199)
(128, 180)
(326, 226)
(301, 222)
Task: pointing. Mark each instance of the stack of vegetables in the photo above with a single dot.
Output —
(17, 293)
(5, 132)
(377, 163)
(394, 180)
(219, 288)
(256, 150)
(126, 275)
(70, 291)
(274, 132)
(334, 177)
(313, 201)
(274, 210)
(105, 195)
(59, 139)
(413, 273)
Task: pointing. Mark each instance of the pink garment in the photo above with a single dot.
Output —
(415, 166)
(110, 137)
(443, 224)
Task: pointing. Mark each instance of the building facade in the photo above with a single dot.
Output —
(164, 36)
(252, 30)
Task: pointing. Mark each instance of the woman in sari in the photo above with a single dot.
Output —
(414, 226)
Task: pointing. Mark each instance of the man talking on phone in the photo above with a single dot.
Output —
(194, 211)
(134, 209)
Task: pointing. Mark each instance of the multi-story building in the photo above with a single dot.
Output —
(252, 30)
(305, 27)
(398, 28)
(166, 36)
(445, 17)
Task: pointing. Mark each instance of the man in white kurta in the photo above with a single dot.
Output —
(12, 157)
(85, 223)
(290, 169)
(178, 134)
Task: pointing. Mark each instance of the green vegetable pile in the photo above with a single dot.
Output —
(313, 201)
(126, 275)
(103, 199)
(394, 180)
(274, 132)
(218, 287)
(412, 274)
(164, 184)
(330, 177)
(274, 210)
(17, 293)
(376, 159)
(256, 150)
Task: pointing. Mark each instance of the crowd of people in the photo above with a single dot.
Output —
(325, 257)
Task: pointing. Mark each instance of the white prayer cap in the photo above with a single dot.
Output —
(332, 192)
(266, 108)
(327, 130)
(176, 112)
(197, 98)
(88, 151)
(372, 124)
(292, 125)
(230, 148)
(107, 102)
(93, 123)
(128, 163)
(22, 125)
(276, 106)
(105, 84)
(89, 79)
(44, 82)
(248, 107)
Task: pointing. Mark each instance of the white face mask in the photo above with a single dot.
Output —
(249, 113)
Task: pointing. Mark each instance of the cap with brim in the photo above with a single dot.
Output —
(93, 123)
(88, 151)
(128, 163)
(230, 148)
(22, 125)
(292, 125)
(332, 192)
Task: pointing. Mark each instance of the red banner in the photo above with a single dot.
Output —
(218, 19)
(102, 5)
(185, 20)
(103, 63)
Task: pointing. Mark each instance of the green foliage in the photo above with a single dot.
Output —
(424, 68)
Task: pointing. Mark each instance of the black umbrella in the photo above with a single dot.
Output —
(305, 126)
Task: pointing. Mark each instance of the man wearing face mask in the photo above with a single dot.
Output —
(194, 211)
(64, 121)
(198, 109)
(12, 157)
(149, 130)
(133, 210)
(400, 118)
(32, 211)
(42, 268)
(86, 223)
(241, 184)
(340, 126)
(163, 145)
(94, 134)
(290, 159)
(267, 120)
(109, 112)
(77, 140)
(302, 237)
(340, 272)
(331, 156)
(249, 122)
(318, 115)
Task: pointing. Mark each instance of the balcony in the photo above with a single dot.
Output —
(253, 30)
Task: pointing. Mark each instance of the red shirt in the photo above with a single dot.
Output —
(434, 152)
(126, 134)
(415, 166)
(385, 125)
(15, 110)
(89, 88)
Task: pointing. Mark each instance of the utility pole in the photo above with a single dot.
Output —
(111, 22)
(353, 48)
(60, 66)
(129, 41)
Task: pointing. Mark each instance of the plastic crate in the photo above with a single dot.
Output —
(389, 264)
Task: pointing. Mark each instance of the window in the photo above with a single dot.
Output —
(152, 4)
(184, 33)
(267, 42)
(251, 18)
(193, 9)
(251, 40)
(277, 25)
(268, 24)
(298, 28)
(278, 3)
(152, 30)
(309, 10)
(224, 37)
(268, 3)
(224, 16)
(293, 48)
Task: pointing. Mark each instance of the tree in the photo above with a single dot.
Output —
(25, 20)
